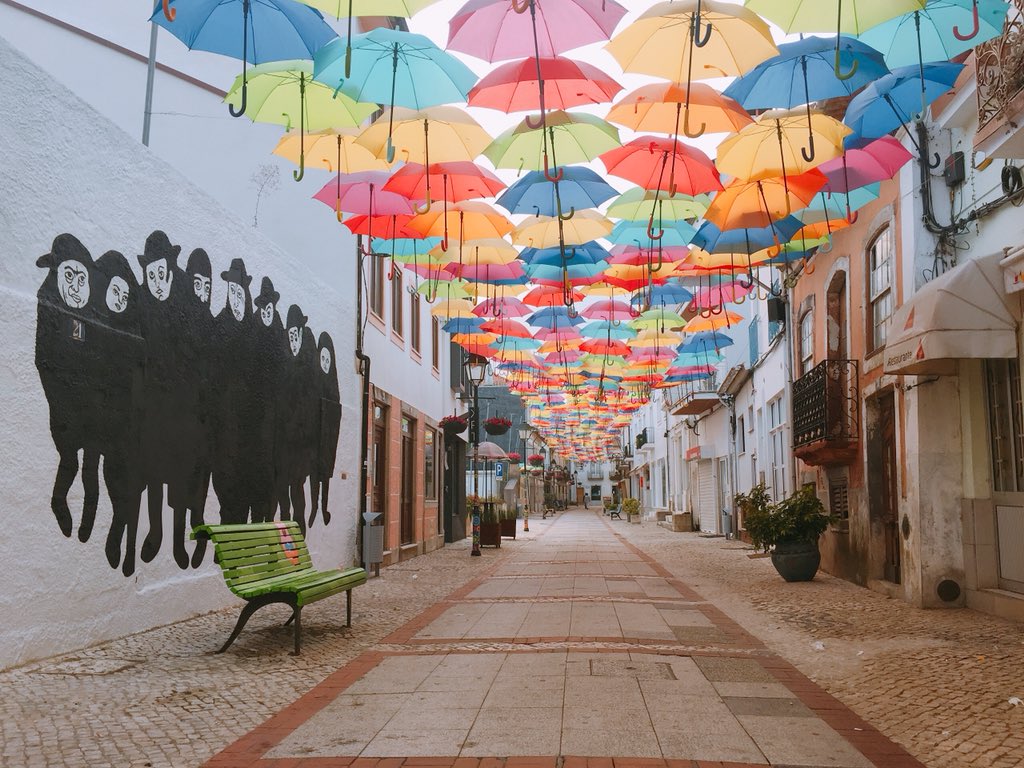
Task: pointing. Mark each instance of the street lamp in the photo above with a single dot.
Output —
(475, 367)
(524, 432)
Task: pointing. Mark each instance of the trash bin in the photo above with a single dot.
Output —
(373, 541)
(727, 523)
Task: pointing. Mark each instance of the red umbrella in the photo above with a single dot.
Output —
(606, 347)
(458, 180)
(654, 162)
(633, 256)
(514, 87)
(381, 226)
(548, 296)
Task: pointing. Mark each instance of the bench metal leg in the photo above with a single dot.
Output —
(290, 618)
(249, 609)
(348, 608)
(254, 605)
(298, 629)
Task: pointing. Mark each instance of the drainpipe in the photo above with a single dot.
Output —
(363, 367)
(789, 382)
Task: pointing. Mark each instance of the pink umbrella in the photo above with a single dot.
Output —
(487, 273)
(501, 306)
(562, 334)
(877, 161)
(637, 257)
(718, 295)
(494, 30)
(363, 193)
(608, 309)
(565, 356)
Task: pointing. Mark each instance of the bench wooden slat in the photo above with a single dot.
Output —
(301, 582)
(240, 579)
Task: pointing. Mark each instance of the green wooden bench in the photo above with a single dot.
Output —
(266, 563)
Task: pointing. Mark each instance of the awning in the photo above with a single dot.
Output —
(963, 314)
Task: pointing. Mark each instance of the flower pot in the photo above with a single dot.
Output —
(796, 560)
(490, 534)
(454, 428)
(508, 527)
(495, 429)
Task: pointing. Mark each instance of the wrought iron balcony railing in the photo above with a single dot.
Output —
(999, 64)
(826, 403)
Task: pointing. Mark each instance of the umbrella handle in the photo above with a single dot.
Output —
(557, 176)
(390, 151)
(391, 270)
(566, 216)
(823, 249)
(686, 127)
(171, 13)
(297, 175)
(444, 243)
(650, 230)
(534, 123)
(520, 7)
(241, 108)
(839, 70)
(808, 152)
(425, 209)
(936, 161)
(700, 37)
(853, 216)
(956, 28)
(809, 265)
(737, 300)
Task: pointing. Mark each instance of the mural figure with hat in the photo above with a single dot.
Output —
(120, 350)
(329, 426)
(65, 360)
(170, 402)
(236, 404)
(269, 348)
(297, 418)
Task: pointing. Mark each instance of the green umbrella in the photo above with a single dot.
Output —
(284, 92)
(581, 137)
(659, 318)
(640, 204)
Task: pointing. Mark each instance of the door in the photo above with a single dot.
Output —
(380, 462)
(408, 494)
(889, 496)
(706, 495)
(1006, 440)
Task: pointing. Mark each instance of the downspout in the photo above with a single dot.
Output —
(789, 381)
(363, 367)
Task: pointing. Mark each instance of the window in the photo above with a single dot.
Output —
(397, 307)
(752, 336)
(880, 266)
(429, 464)
(777, 448)
(741, 435)
(414, 320)
(376, 289)
(435, 343)
(1006, 432)
(806, 342)
(839, 500)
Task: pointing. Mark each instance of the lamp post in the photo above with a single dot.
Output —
(475, 367)
(524, 432)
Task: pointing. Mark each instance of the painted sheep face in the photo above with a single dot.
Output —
(295, 340)
(73, 283)
(325, 360)
(117, 295)
(236, 300)
(158, 279)
(267, 313)
(201, 284)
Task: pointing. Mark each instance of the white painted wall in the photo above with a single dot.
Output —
(75, 171)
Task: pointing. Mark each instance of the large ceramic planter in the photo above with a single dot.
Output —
(796, 560)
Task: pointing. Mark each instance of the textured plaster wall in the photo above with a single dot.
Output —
(68, 169)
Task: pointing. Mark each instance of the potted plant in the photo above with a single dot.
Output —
(757, 500)
(490, 522)
(497, 425)
(515, 457)
(632, 509)
(790, 529)
(453, 425)
(507, 521)
(536, 459)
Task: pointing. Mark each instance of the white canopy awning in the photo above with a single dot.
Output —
(963, 314)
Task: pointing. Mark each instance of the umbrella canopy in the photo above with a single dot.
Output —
(581, 253)
(891, 101)
(578, 188)
(547, 231)
(641, 204)
(495, 30)
(579, 137)
(653, 162)
(877, 161)
(363, 193)
(745, 239)
(514, 87)
(435, 134)
(759, 203)
(469, 220)
(333, 149)
(670, 107)
(456, 180)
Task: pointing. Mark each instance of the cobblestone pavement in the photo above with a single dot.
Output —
(937, 682)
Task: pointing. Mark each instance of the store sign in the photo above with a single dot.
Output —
(693, 453)
(1013, 269)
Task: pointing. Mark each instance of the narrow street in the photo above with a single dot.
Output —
(583, 640)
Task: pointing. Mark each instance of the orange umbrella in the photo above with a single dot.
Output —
(759, 203)
(667, 107)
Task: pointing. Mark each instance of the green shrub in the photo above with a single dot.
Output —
(800, 517)
(631, 506)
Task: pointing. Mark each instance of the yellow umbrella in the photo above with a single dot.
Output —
(488, 250)
(469, 220)
(432, 135)
(690, 40)
(781, 142)
(452, 308)
(474, 339)
(335, 150)
(654, 338)
(712, 322)
(727, 262)
(549, 231)
(559, 345)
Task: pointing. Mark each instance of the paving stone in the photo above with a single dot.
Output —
(768, 707)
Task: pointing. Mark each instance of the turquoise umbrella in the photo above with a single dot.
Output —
(837, 205)
(608, 329)
(394, 68)
(674, 233)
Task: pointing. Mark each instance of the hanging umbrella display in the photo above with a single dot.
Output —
(850, 16)
(879, 160)
(643, 204)
(721, 294)
(333, 149)
(284, 93)
(582, 253)
(435, 134)
(469, 220)
(495, 30)
(548, 231)
(255, 31)
(363, 193)
(457, 181)
(547, 296)
(657, 163)
(393, 68)
(746, 239)
(581, 137)
(671, 107)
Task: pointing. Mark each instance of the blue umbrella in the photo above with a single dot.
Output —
(554, 317)
(705, 341)
(463, 325)
(889, 102)
(255, 31)
(805, 71)
(405, 248)
(837, 205)
(673, 233)
(747, 239)
(608, 329)
(942, 30)
(569, 271)
(668, 294)
(578, 188)
(392, 67)
(586, 253)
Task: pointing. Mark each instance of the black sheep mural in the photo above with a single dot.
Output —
(164, 399)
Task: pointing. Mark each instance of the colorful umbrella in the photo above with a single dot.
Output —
(581, 137)
(547, 231)
(458, 181)
(442, 133)
(334, 149)
(667, 107)
(363, 193)
(644, 159)
(515, 87)
(577, 188)
(759, 203)
(745, 239)
(877, 161)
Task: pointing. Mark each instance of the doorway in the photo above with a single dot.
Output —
(408, 493)
(883, 491)
(380, 461)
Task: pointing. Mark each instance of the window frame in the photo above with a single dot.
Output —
(375, 290)
(415, 310)
(429, 463)
(806, 342)
(435, 343)
(397, 304)
(877, 331)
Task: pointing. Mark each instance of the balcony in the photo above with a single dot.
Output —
(826, 414)
(999, 66)
(595, 474)
(694, 398)
(644, 441)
